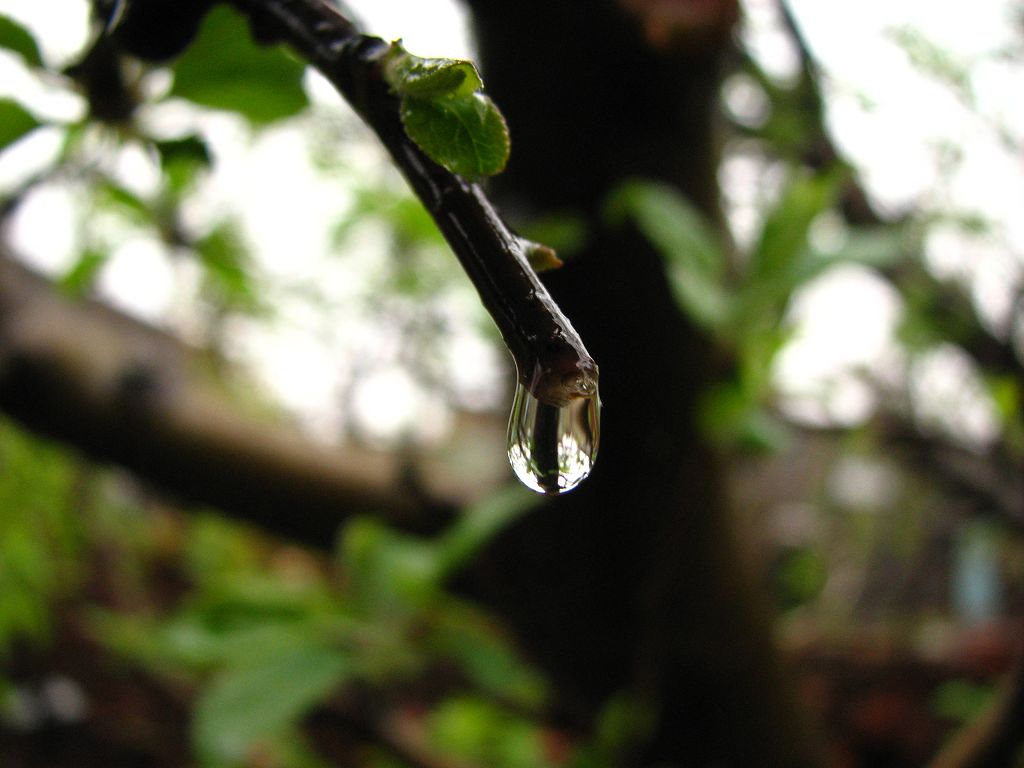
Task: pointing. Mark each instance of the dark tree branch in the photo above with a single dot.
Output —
(124, 392)
(550, 356)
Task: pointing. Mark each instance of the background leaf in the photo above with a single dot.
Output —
(682, 235)
(77, 280)
(784, 235)
(15, 122)
(19, 40)
(258, 702)
(182, 159)
(224, 69)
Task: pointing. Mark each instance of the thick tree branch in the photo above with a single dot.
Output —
(121, 391)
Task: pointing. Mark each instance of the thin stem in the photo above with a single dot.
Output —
(550, 356)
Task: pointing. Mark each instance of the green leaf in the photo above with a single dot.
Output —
(224, 69)
(731, 414)
(961, 699)
(799, 575)
(467, 135)
(111, 195)
(15, 122)
(682, 235)
(481, 732)
(182, 159)
(257, 702)
(479, 524)
(410, 75)
(82, 274)
(16, 38)
(445, 114)
(225, 258)
(473, 642)
(876, 247)
(388, 572)
(566, 233)
(784, 234)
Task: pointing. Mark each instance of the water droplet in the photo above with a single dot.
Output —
(553, 448)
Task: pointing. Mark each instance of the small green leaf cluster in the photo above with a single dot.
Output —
(40, 536)
(447, 115)
(264, 647)
(15, 120)
(19, 41)
(742, 303)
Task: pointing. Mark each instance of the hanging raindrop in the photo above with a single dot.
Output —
(552, 448)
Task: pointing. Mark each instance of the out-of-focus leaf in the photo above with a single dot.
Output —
(255, 702)
(783, 238)
(110, 194)
(14, 37)
(82, 274)
(476, 730)
(467, 135)
(1006, 396)
(479, 524)
(683, 236)
(388, 572)
(485, 655)
(961, 700)
(39, 535)
(934, 60)
(799, 575)
(15, 122)
(182, 159)
(732, 414)
(225, 259)
(408, 221)
(224, 69)
(935, 312)
(782, 260)
(564, 232)
(878, 248)
(623, 722)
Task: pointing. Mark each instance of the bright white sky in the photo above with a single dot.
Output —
(895, 122)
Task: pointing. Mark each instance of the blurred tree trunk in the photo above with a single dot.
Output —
(634, 583)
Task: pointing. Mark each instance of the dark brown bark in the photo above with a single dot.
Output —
(635, 582)
(126, 393)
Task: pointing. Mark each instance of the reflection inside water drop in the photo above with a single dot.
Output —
(552, 448)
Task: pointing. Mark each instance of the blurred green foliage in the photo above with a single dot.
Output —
(15, 38)
(265, 643)
(224, 69)
(259, 634)
(40, 535)
(742, 298)
(15, 122)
